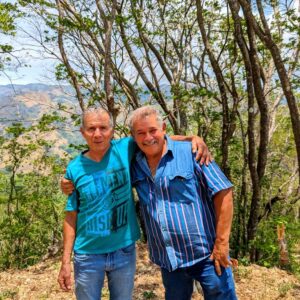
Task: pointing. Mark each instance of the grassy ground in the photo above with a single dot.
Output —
(252, 282)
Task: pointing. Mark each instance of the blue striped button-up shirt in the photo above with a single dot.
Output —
(177, 205)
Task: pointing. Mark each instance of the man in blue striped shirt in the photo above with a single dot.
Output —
(187, 209)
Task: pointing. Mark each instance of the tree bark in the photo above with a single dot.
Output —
(65, 59)
(222, 88)
(266, 37)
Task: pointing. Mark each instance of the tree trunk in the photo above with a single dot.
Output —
(222, 88)
(266, 37)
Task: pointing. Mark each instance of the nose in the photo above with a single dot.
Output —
(97, 132)
(148, 136)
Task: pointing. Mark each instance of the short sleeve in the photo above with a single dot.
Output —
(212, 178)
(72, 202)
(129, 144)
(68, 174)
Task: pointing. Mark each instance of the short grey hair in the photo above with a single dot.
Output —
(143, 112)
(96, 110)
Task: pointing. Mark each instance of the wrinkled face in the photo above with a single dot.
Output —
(97, 131)
(149, 135)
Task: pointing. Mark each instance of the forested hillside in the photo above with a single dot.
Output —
(224, 70)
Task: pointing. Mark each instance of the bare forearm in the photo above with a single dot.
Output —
(188, 138)
(69, 229)
(224, 213)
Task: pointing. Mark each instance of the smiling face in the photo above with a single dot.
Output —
(149, 134)
(97, 131)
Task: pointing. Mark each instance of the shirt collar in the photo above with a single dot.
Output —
(170, 148)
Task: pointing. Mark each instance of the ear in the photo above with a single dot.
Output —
(132, 133)
(82, 131)
(164, 127)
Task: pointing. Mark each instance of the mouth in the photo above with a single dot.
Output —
(150, 143)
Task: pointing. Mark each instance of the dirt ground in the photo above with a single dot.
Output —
(252, 283)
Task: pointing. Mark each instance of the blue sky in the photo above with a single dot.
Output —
(40, 67)
(38, 72)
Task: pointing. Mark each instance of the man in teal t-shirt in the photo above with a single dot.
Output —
(100, 222)
(106, 219)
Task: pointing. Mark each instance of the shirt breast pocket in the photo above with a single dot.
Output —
(182, 188)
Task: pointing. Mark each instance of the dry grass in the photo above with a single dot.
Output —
(252, 283)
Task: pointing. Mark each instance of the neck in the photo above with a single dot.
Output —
(95, 155)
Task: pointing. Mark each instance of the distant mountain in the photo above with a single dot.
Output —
(20, 88)
(27, 103)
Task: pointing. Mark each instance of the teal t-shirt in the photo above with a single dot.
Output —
(106, 218)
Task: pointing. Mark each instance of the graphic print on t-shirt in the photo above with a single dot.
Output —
(106, 200)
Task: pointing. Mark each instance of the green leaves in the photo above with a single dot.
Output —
(48, 121)
(15, 130)
(8, 12)
(61, 72)
(6, 48)
(31, 204)
(32, 225)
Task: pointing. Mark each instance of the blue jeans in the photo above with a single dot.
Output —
(179, 283)
(90, 270)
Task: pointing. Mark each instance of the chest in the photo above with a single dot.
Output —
(171, 183)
